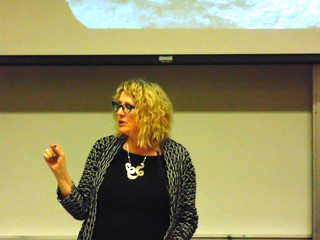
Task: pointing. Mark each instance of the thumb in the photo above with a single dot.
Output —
(57, 149)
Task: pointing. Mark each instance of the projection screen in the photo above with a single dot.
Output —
(93, 27)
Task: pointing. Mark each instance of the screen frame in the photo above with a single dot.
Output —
(165, 59)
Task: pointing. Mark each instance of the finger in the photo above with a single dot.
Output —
(46, 157)
(50, 159)
(49, 153)
(52, 156)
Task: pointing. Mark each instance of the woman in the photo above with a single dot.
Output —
(137, 184)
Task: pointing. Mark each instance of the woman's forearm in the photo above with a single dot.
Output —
(65, 184)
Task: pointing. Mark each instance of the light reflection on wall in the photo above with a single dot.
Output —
(247, 14)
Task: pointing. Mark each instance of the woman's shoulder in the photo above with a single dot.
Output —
(172, 145)
(111, 139)
(176, 153)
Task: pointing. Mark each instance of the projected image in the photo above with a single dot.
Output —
(245, 14)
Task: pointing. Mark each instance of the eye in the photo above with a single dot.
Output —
(128, 106)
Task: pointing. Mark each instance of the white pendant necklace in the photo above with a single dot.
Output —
(134, 172)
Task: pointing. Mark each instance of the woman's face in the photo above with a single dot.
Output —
(126, 121)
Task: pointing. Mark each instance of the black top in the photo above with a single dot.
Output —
(133, 209)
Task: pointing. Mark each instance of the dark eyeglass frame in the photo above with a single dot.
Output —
(126, 108)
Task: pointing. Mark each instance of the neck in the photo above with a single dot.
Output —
(132, 143)
(134, 148)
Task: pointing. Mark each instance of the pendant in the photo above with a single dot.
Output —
(131, 170)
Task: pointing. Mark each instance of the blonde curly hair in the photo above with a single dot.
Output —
(153, 110)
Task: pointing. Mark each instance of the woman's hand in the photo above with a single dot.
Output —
(54, 156)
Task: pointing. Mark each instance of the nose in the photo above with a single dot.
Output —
(120, 111)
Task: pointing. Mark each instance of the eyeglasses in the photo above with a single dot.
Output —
(126, 108)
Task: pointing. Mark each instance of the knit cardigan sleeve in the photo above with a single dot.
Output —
(187, 217)
(78, 201)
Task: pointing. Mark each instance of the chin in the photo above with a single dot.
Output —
(123, 131)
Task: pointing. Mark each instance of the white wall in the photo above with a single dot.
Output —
(248, 129)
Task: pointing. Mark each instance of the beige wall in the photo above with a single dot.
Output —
(248, 129)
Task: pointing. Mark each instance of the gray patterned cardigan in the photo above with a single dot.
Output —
(82, 201)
